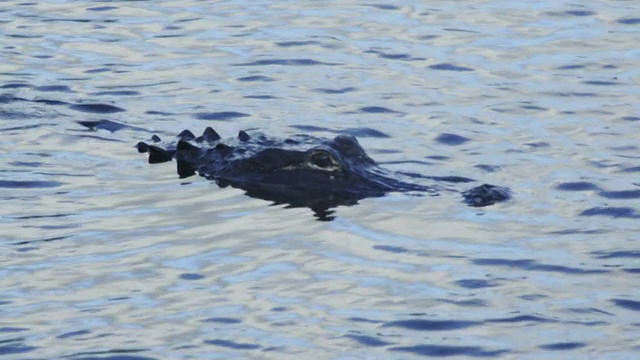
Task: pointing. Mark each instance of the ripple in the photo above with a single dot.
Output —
(574, 94)
(431, 325)
(368, 340)
(24, 36)
(296, 43)
(14, 346)
(102, 8)
(532, 265)
(116, 93)
(449, 67)
(537, 145)
(384, 6)
(365, 132)
(312, 128)
(108, 125)
(520, 318)
(466, 303)
(451, 179)
(577, 186)
(29, 217)
(222, 320)
(78, 20)
(15, 86)
(16, 184)
(533, 107)
(25, 127)
(589, 311)
(52, 88)
(121, 354)
(577, 231)
(232, 344)
(620, 195)
(220, 115)
(335, 91)
(73, 334)
(475, 283)
(361, 132)
(627, 304)
(377, 110)
(287, 62)
(256, 78)
(563, 346)
(451, 139)
(50, 102)
(49, 239)
(97, 70)
(600, 82)
(191, 276)
(614, 212)
(631, 254)
(7, 99)
(445, 350)
(260, 97)
(364, 320)
(97, 108)
(629, 21)
(11, 329)
(488, 168)
(580, 13)
(394, 56)
(391, 249)
(160, 113)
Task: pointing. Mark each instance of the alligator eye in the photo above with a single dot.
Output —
(323, 160)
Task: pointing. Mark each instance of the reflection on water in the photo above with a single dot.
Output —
(106, 257)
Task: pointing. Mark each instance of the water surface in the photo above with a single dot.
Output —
(105, 256)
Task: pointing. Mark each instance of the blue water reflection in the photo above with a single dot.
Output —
(106, 257)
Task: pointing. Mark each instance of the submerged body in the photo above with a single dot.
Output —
(301, 171)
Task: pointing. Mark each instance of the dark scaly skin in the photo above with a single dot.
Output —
(300, 171)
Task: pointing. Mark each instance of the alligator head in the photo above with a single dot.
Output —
(300, 171)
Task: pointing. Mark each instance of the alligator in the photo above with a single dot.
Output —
(299, 171)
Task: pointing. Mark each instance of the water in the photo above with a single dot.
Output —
(105, 256)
